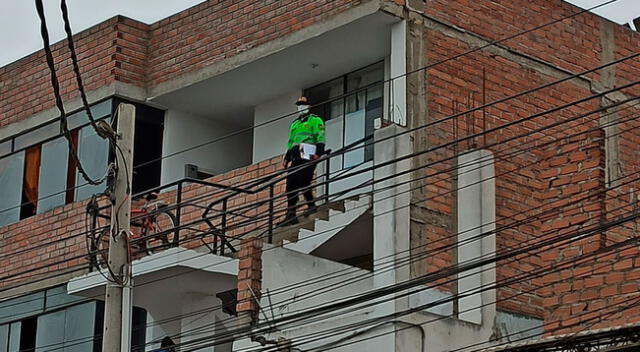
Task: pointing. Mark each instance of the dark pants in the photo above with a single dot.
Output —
(299, 180)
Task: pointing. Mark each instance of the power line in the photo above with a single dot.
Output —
(58, 98)
(617, 246)
(402, 287)
(324, 347)
(390, 80)
(569, 77)
(405, 157)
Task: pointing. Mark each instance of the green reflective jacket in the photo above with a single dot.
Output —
(309, 129)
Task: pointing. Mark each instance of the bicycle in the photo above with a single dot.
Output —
(156, 224)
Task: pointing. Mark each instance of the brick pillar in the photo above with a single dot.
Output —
(574, 175)
(249, 279)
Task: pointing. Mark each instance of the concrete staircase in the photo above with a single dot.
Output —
(317, 229)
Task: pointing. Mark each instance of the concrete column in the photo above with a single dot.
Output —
(476, 216)
(397, 68)
(613, 166)
(391, 219)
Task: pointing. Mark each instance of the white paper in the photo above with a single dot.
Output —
(307, 150)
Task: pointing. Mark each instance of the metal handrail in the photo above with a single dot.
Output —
(269, 182)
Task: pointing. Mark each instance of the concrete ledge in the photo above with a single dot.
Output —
(114, 89)
(171, 258)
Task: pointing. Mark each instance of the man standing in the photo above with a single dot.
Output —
(306, 143)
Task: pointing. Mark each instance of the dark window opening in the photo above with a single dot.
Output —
(138, 329)
(28, 334)
(147, 149)
(98, 327)
(147, 146)
(229, 300)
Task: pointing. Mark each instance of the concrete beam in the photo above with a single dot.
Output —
(124, 90)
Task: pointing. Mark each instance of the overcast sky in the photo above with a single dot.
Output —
(20, 25)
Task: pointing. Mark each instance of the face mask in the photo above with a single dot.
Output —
(303, 109)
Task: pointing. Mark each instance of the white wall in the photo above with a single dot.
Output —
(476, 218)
(271, 139)
(183, 130)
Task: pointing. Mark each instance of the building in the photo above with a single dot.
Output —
(489, 189)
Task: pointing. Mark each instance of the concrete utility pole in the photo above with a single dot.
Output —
(117, 312)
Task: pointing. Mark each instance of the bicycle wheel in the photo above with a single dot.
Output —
(162, 233)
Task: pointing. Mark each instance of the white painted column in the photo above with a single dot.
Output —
(391, 221)
(476, 216)
(397, 70)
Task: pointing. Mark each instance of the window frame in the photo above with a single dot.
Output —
(344, 96)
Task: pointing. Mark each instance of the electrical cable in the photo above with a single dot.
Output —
(473, 50)
(439, 283)
(56, 92)
(441, 120)
(411, 155)
(396, 287)
(484, 305)
(617, 246)
(390, 80)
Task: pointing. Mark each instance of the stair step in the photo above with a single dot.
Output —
(309, 224)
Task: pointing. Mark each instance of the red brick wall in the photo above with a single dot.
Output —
(572, 44)
(542, 181)
(124, 50)
(30, 250)
(25, 85)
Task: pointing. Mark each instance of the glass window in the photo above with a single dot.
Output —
(57, 297)
(68, 330)
(11, 173)
(5, 148)
(79, 328)
(354, 131)
(21, 307)
(4, 338)
(358, 101)
(53, 174)
(50, 331)
(93, 152)
(80, 118)
(36, 136)
(14, 336)
(321, 94)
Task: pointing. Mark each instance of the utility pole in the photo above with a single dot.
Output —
(118, 300)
